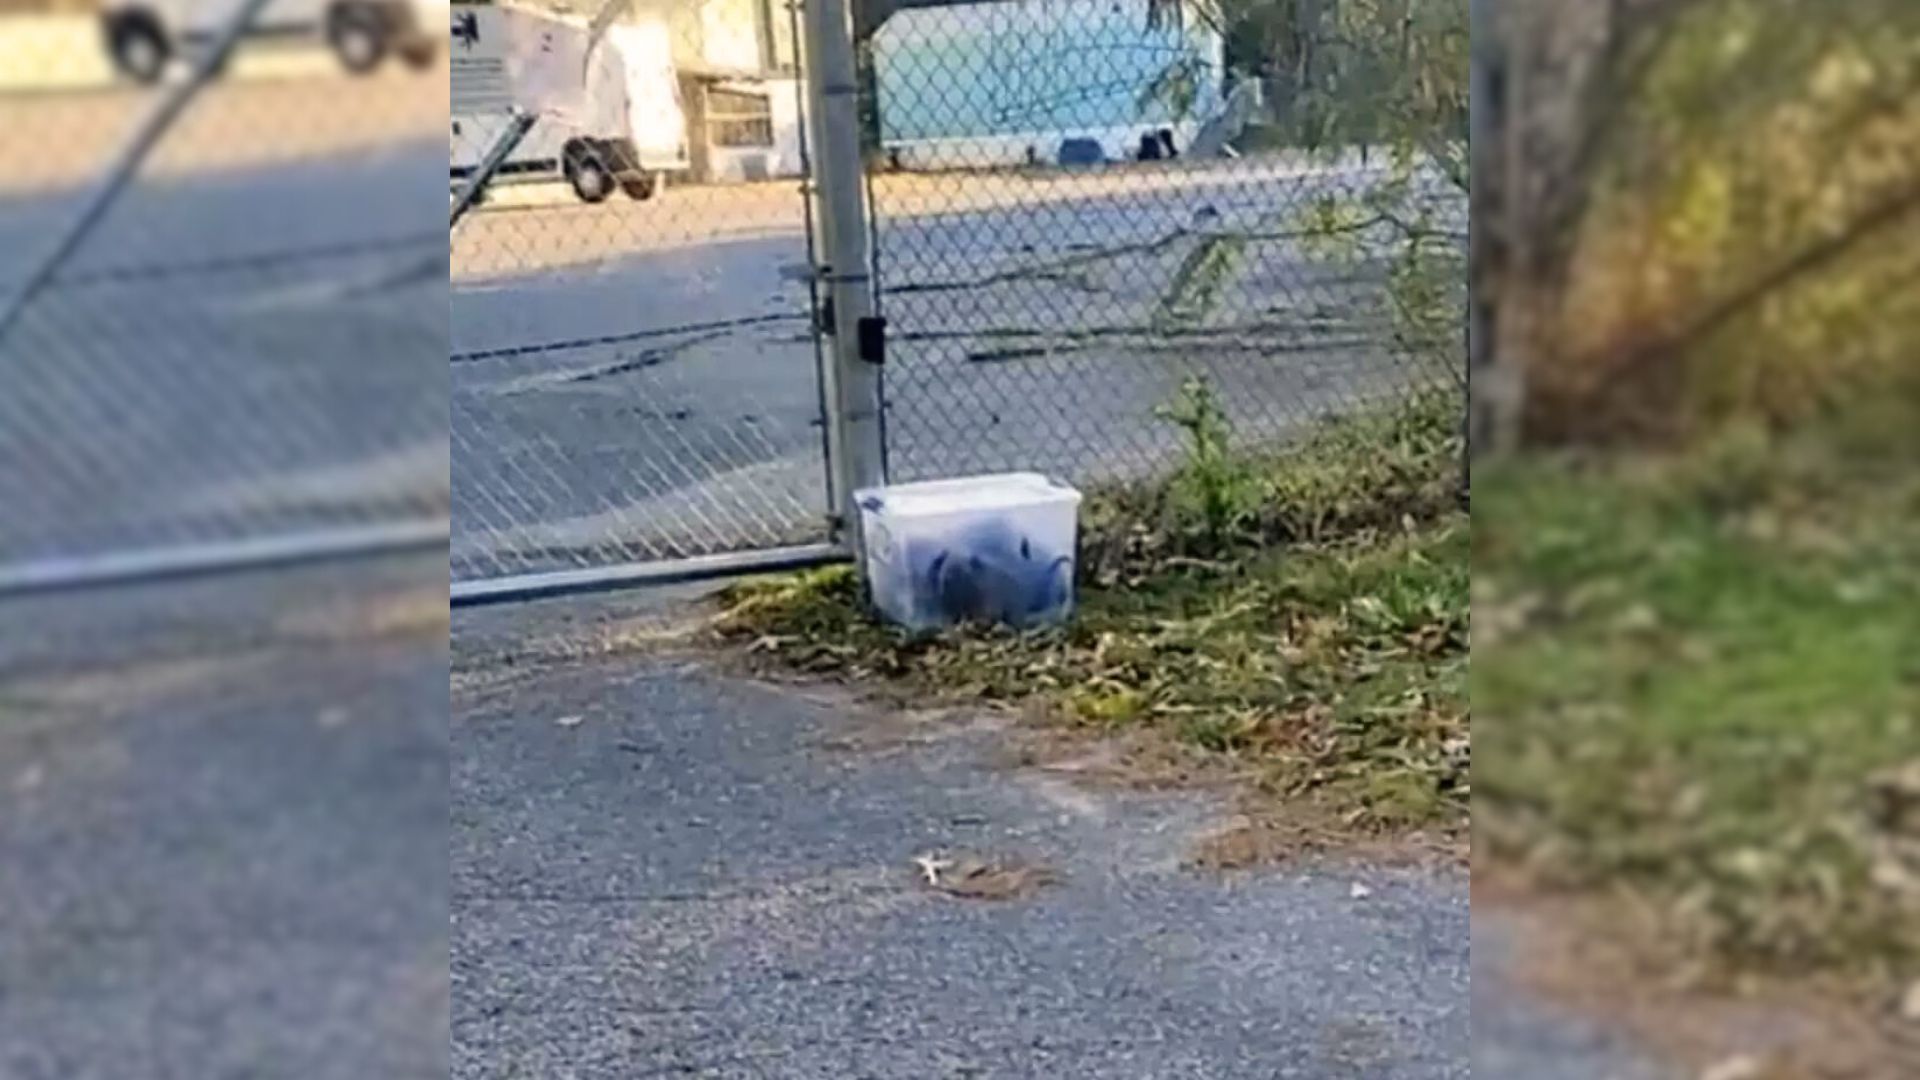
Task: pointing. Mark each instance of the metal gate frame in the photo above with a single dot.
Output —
(849, 335)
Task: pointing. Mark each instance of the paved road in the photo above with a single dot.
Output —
(223, 826)
(225, 356)
(707, 878)
(674, 408)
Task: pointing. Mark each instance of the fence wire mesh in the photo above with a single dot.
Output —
(1077, 205)
(242, 346)
(634, 374)
(1080, 204)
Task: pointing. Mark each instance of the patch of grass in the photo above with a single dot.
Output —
(1366, 473)
(1315, 636)
(1688, 674)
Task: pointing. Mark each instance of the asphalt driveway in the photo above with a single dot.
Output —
(658, 870)
(222, 830)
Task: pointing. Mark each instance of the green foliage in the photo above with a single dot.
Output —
(1177, 86)
(1346, 72)
(1376, 469)
(1687, 673)
(1198, 283)
(1391, 74)
(1727, 229)
(1213, 484)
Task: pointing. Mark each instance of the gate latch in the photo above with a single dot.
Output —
(873, 339)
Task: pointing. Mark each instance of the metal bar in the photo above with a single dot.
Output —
(482, 174)
(634, 575)
(804, 102)
(819, 214)
(63, 573)
(839, 185)
(127, 165)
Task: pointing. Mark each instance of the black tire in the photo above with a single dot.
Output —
(359, 37)
(591, 179)
(139, 47)
(640, 186)
(419, 55)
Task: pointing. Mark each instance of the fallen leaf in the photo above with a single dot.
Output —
(982, 879)
(931, 866)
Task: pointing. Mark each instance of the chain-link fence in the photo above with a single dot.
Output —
(1082, 203)
(220, 303)
(634, 369)
(1074, 207)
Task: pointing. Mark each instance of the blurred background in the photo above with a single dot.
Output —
(286, 209)
(1697, 526)
(222, 323)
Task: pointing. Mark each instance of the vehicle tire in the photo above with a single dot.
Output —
(591, 179)
(139, 47)
(640, 186)
(358, 36)
(419, 55)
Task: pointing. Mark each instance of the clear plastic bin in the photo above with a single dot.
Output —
(996, 548)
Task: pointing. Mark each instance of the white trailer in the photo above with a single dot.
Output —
(142, 37)
(607, 108)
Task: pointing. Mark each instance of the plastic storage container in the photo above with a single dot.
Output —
(994, 548)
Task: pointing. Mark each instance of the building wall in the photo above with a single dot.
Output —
(721, 37)
(780, 159)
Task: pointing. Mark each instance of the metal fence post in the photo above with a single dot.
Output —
(851, 379)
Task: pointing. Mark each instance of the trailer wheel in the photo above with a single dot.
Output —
(419, 55)
(640, 186)
(358, 36)
(138, 46)
(591, 179)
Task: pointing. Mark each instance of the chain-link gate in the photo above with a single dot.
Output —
(1075, 210)
(635, 373)
(219, 285)
(1075, 205)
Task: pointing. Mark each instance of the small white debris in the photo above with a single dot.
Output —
(1359, 891)
(931, 865)
(570, 721)
(1737, 1067)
